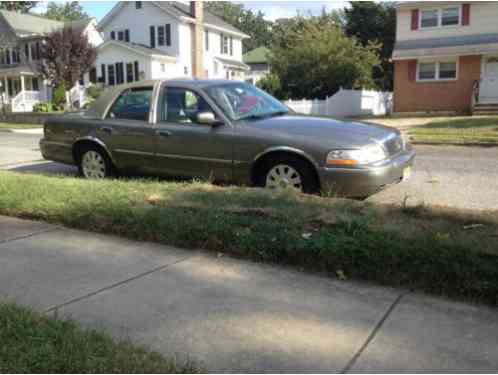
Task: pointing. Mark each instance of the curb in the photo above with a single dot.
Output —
(467, 144)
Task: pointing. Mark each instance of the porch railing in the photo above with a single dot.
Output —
(24, 101)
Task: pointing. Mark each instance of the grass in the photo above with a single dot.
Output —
(33, 343)
(415, 247)
(467, 130)
(4, 125)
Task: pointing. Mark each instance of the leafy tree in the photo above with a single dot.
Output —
(66, 56)
(370, 21)
(271, 84)
(18, 6)
(247, 21)
(71, 11)
(313, 59)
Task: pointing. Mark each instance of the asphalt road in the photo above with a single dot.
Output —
(453, 176)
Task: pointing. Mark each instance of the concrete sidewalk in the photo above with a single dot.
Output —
(238, 316)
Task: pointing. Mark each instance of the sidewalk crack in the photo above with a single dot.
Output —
(32, 234)
(372, 335)
(55, 308)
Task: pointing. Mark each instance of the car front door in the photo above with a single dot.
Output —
(187, 147)
(127, 132)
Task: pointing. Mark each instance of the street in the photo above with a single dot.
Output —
(453, 176)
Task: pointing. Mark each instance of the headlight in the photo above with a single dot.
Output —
(366, 155)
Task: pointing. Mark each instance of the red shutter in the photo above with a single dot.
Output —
(415, 13)
(465, 14)
(412, 70)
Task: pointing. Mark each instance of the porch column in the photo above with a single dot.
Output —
(6, 90)
(22, 83)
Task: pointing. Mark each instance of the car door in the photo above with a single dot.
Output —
(186, 147)
(127, 132)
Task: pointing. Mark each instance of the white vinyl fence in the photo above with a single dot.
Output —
(346, 103)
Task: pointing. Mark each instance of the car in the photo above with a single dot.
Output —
(227, 131)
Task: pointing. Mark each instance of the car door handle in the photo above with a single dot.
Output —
(163, 133)
(106, 129)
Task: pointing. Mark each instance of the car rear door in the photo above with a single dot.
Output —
(185, 147)
(127, 131)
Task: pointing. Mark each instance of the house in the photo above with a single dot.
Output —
(167, 39)
(257, 60)
(445, 56)
(21, 36)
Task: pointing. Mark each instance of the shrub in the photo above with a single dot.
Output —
(271, 84)
(94, 91)
(59, 97)
(43, 107)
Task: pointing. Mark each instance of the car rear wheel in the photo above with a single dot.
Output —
(95, 164)
(288, 173)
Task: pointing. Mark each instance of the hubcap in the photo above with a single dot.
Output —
(93, 165)
(282, 177)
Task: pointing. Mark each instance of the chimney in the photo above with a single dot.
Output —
(197, 12)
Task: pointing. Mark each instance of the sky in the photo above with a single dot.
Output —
(271, 9)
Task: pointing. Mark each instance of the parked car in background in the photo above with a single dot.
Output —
(228, 130)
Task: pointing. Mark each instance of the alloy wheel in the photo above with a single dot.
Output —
(93, 165)
(283, 176)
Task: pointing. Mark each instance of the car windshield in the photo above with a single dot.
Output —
(241, 101)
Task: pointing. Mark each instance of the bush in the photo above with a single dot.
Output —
(94, 91)
(59, 97)
(271, 84)
(43, 107)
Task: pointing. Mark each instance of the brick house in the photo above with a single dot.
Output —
(445, 56)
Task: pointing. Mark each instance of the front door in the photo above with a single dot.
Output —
(489, 82)
(184, 146)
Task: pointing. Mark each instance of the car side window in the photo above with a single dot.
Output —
(183, 106)
(132, 104)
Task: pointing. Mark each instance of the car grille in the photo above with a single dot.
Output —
(394, 145)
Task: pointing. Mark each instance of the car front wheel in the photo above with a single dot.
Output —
(95, 164)
(288, 172)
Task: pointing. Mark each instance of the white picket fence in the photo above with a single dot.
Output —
(346, 103)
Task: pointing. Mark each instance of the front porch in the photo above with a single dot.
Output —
(21, 89)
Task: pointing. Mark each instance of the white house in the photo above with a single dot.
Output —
(21, 36)
(167, 39)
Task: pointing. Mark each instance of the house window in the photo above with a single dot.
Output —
(38, 51)
(110, 75)
(129, 72)
(440, 17)
(119, 73)
(35, 84)
(102, 73)
(138, 5)
(127, 35)
(450, 16)
(206, 39)
(33, 51)
(137, 71)
(160, 35)
(26, 51)
(168, 34)
(120, 35)
(113, 35)
(93, 75)
(436, 70)
(224, 44)
(152, 37)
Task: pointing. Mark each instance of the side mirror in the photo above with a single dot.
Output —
(207, 118)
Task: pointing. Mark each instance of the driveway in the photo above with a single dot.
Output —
(238, 316)
(454, 176)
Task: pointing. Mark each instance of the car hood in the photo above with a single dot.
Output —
(339, 133)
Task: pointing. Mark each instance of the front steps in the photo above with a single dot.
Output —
(485, 109)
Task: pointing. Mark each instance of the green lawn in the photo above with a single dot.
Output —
(33, 343)
(4, 125)
(462, 130)
(426, 249)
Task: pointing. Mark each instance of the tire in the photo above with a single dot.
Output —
(94, 163)
(282, 172)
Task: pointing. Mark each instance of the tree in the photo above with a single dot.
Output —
(65, 56)
(369, 21)
(247, 21)
(18, 6)
(71, 11)
(314, 59)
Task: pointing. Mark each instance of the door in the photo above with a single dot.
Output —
(127, 132)
(186, 147)
(489, 82)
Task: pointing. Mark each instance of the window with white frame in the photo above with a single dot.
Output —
(437, 70)
(442, 17)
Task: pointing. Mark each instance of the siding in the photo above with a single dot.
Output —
(483, 20)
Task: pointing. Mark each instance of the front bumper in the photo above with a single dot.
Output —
(363, 182)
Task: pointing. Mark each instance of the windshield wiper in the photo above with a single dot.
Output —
(265, 115)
